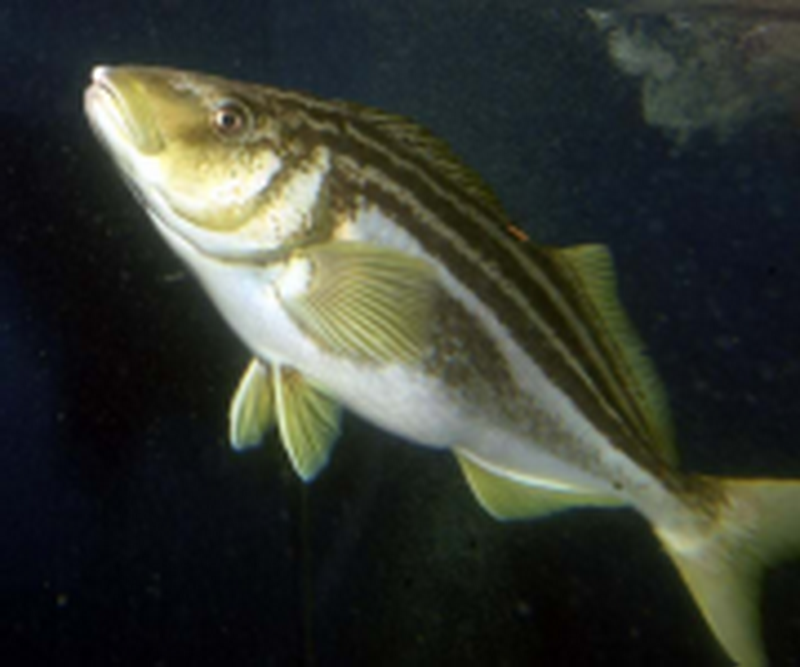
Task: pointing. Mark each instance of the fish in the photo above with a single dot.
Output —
(366, 268)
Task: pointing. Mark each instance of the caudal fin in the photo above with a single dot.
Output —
(758, 525)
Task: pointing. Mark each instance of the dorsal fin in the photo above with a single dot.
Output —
(408, 136)
(591, 269)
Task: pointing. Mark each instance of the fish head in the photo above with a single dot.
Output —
(200, 152)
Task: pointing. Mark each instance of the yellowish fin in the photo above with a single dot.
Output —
(364, 301)
(308, 421)
(252, 410)
(591, 269)
(758, 525)
(507, 499)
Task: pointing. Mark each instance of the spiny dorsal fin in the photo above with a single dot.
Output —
(507, 499)
(361, 300)
(252, 409)
(308, 421)
(407, 135)
(592, 267)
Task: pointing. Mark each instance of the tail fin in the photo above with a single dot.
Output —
(758, 525)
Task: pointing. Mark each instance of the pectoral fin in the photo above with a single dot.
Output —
(364, 301)
(308, 421)
(252, 410)
(507, 499)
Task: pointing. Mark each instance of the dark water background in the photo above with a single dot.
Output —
(130, 535)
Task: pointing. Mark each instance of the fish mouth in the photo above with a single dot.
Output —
(118, 110)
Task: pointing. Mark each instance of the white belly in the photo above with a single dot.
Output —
(400, 399)
(407, 401)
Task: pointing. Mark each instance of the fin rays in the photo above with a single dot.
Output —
(365, 301)
(507, 499)
(307, 419)
(757, 525)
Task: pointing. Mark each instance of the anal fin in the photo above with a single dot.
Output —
(506, 499)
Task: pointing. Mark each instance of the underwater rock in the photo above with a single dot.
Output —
(707, 65)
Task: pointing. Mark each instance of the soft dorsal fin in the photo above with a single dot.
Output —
(506, 499)
(591, 269)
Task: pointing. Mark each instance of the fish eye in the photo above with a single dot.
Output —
(230, 118)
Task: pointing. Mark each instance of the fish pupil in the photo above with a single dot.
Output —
(229, 119)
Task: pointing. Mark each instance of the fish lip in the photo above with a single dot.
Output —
(102, 105)
(112, 117)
